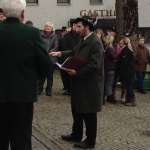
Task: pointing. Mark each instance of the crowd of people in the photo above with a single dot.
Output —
(33, 62)
(118, 64)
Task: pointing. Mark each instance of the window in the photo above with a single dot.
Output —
(95, 1)
(32, 1)
(63, 1)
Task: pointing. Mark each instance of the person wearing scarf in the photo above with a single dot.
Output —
(141, 61)
(123, 90)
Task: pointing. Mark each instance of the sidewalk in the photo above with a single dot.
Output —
(119, 127)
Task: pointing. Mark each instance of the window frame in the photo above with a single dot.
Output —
(32, 3)
(63, 2)
(96, 3)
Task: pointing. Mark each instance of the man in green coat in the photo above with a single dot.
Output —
(23, 60)
(87, 84)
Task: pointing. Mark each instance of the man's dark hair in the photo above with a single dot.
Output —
(29, 23)
(1, 10)
(84, 23)
(141, 38)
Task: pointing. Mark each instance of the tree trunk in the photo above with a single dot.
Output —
(119, 17)
(127, 18)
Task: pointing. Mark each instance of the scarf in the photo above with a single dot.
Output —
(119, 48)
(141, 46)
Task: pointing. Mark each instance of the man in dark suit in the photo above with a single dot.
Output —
(62, 32)
(69, 40)
(24, 60)
(87, 84)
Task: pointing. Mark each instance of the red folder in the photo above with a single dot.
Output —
(74, 63)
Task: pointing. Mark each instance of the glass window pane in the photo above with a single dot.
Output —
(96, 1)
(62, 1)
(31, 1)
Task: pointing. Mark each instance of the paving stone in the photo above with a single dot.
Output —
(116, 123)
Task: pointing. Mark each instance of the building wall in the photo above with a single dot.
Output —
(0, 3)
(48, 10)
(144, 13)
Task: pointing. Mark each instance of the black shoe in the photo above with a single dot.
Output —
(39, 92)
(49, 93)
(111, 99)
(83, 145)
(66, 93)
(69, 138)
(142, 91)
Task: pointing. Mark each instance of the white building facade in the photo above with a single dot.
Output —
(60, 12)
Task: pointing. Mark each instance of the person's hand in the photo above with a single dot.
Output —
(71, 72)
(55, 54)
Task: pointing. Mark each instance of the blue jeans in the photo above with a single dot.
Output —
(140, 77)
(109, 82)
(128, 87)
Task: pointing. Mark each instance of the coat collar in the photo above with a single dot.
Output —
(88, 39)
(87, 36)
(10, 19)
(52, 35)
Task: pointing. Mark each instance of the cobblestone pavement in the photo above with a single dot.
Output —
(119, 127)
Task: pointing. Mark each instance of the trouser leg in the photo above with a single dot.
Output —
(77, 128)
(130, 92)
(67, 83)
(140, 77)
(109, 84)
(50, 80)
(4, 127)
(62, 72)
(90, 120)
(40, 84)
(21, 116)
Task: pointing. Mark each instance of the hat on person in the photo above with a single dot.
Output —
(1, 10)
(88, 20)
(113, 29)
(63, 28)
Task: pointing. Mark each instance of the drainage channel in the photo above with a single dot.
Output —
(40, 142)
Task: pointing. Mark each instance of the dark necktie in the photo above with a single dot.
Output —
(82, 42)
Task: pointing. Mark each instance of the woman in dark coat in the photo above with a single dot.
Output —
(126, 71)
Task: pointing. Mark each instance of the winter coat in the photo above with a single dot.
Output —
(51, 43)
(70, 40)
(88, 85)
(111, 59)
(24, 59)
(125, 65)
(141, 59)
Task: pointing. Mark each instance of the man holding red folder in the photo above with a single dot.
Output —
(87, 84)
